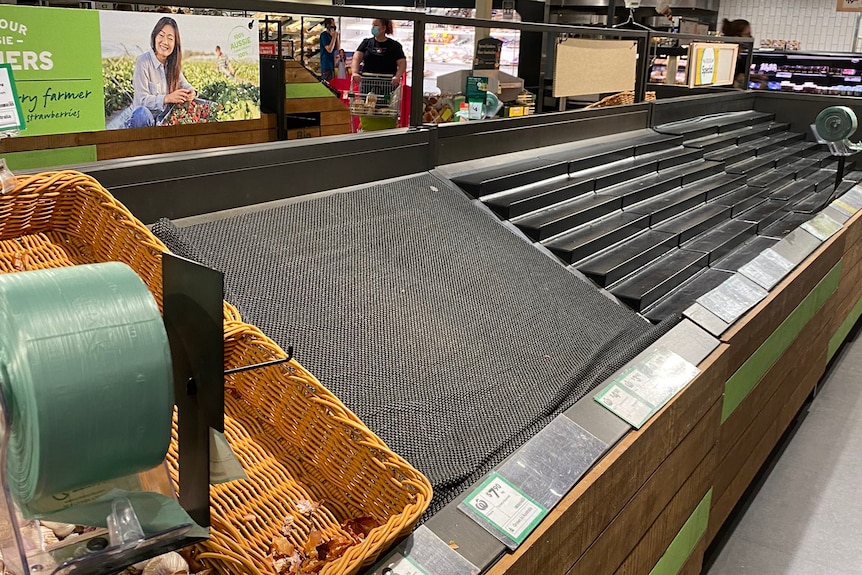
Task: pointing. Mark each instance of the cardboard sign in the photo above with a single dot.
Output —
(594, 67)
(849, 6)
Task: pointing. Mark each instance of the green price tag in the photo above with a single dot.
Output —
(505, 507)
(11, 118)
(397, 564)
(645, 386)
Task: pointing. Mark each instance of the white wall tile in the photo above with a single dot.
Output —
(815, 23)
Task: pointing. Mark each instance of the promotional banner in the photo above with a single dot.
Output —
(53, 54)
(86, 70)
(169, 69)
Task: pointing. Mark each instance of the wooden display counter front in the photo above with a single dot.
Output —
(30, 152)
(658, 497)
(311, 108)
(654, 503)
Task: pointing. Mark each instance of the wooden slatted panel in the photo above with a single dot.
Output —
(780, 415)
(306, 105)
(742, 431)
(26, 143)
(694, 564)
(660, 535)
(751, 331)
(182, 144)
(336, 117)
(335, 129)
(620, 538)
(586, 511)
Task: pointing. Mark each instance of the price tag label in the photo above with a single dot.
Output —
(732, 298)
(844, 207)
(767, 269)
(10, 106)
(853, 198)
(821, 227)
(706, 319)
(398, 564)
(644, 387)
(626, 405)
(505, 507)
(423, 553)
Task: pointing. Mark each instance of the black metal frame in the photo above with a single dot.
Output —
(743, 42)
(420, 20)
(189, 184)
(643, 38)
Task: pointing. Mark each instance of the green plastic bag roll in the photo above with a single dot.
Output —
(86, 373)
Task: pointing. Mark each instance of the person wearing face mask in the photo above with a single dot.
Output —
(158, 79)
(380, 54)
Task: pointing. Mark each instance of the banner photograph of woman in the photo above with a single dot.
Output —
(174, 76)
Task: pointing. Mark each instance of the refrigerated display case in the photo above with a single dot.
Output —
(835, 73)
(447, 48)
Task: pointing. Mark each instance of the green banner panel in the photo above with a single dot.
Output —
(841, 333)
(686, 540)
(59, 73)
(307, 90)
(755, 367)
(37, 159)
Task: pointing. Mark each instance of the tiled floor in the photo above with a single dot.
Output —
(805, 515)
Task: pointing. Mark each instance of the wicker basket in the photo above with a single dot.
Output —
(295, 439)
(621, 99)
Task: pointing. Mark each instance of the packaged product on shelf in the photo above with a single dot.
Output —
(439, 109)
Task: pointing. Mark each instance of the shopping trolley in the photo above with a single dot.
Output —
(375, 104)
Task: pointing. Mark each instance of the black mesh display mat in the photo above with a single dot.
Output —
(452, 338)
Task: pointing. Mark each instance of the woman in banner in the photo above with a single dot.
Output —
(158, 79)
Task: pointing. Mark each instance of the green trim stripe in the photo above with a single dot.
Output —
(755, 367)
(841, 333)
(306, 90)
(56, 157)
(686, 540)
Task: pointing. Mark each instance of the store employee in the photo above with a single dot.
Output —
(380, 54)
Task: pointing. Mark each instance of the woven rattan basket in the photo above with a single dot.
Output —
(621, 99)
(296, 440)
